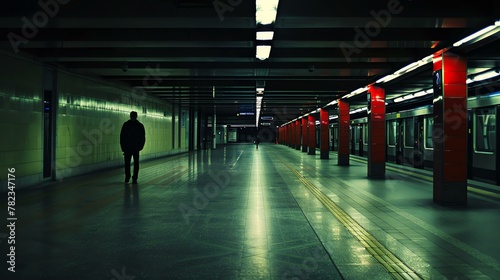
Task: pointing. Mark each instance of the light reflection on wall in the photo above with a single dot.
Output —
(89, 119)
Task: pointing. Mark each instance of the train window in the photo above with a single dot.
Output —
(428, 124)
(391, 133)
(484, 130)
(409, 133)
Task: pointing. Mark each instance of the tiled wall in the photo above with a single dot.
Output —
(89, 116)
(21, 120)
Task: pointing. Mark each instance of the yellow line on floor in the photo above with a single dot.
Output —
(396, 268)
(429, 178)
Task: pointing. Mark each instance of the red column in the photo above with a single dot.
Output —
(289, 136)
(293, 137)
(376, 132)
(324, 141)
(304, 135)
(450, 129)
(344, 135)
(311, 139)
(297, 135)
(285, 134)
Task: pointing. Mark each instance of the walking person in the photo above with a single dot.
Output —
(257, 141)
(132, 139)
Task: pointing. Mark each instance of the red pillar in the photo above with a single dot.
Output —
(289, 136)
(304, 135)
(311, 139)
(297, 135)
(324, 141)
(344, 135)
(292, 135)
(450, 129)
(376, 132)
(285, 134)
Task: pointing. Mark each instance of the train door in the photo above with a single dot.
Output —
(365, 139)
(334, 135)
(360, 139)
(399, 141)
(391, 132)
(357, 140)
(418, 148)
(470, 146)
(408, 141)
(484, 155)
(353, 139)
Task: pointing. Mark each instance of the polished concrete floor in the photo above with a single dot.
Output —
(241, 213)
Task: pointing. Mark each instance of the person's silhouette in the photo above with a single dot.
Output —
(132, 139)
(257, 141)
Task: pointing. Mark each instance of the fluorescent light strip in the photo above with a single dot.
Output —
(355, 92)
(265, 11)
(485, 75)
(478, 34)
(265, 35)
(412, 66)
(263, 52)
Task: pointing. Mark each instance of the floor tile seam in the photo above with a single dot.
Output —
(356, 204)
(412, 220)
(353, 227)
(282, 169)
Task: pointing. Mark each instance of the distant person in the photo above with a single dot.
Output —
(132, 139)
(257, 141)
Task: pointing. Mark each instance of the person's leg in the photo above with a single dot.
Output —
(136, 166)
(127, 158)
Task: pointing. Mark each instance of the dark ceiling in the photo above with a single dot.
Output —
(192, 46)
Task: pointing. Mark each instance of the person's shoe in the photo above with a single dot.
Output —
(134, 181)
(127, 179)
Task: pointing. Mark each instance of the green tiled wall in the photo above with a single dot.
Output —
(89, 117)
(21, 115)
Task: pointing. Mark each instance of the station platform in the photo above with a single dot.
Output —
(238, 212)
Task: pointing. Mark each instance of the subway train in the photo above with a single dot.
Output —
(409, 137)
